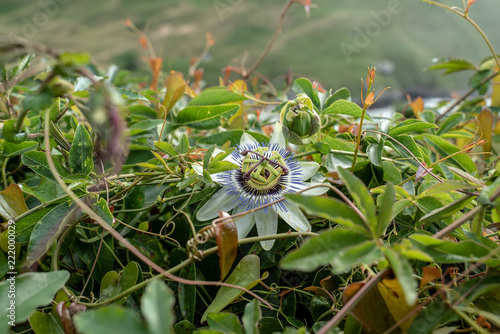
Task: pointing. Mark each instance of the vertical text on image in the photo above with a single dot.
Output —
(11, 261)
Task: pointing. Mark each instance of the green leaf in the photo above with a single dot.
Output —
(451, 65)
(408, 143)
(32, 290)
(205, 117)
(341, 94)
(47, 230)
(391, 172)
(42, 323)
(321, 250)
(22, 64)
(327, 207)
(54, 110)
(131, 94)
(113, 284)
(232, 136)
(445, 149)
(74, 58)
(12, 202)
(102, 210)
(80, 154)
(245, 274)
(183, 146)
(184, 327)
(451, 122)
(251, 317)
(187, 293)
(375, 152)
(166, 148)
(10, 134)
(157, 306)
(400, 206)
(404, 274)
(11, 149)
(109, 320)
(145, 125)
(220, 166)
(447, 210)
(37, 161)
(386, 200)
(410, 125)
(303, 85)
(349, 257)
(25, 226)
(360, 194)
(436, 313)
(447, 251)
(446, 187)
(38, 102)
(208, 156)
(344, 107)
(224, 322)
(142, 111)
(89, 252)
(214, 96)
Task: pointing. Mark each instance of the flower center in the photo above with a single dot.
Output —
(261, 171)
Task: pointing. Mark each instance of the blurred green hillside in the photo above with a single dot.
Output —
(402, 46)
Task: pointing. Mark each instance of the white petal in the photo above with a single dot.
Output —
(231, 159)
(277, 136)
(295, 218)
(218, 177)
(267, 224)
(220, 201)
(243, 224)
(314, 191)
(246, 140)
(309, 168)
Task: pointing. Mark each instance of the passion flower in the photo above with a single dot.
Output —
(265, 173)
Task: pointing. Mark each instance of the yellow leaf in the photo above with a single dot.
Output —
(175, 89)
(226, 235)
(485, 122)
(495, 95)
(12, 202)
(417, 106)
(382, 307)
(429, 274)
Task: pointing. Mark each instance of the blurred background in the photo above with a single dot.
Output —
(333, 46)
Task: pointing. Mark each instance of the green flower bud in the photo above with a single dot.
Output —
(299, 119)
(58, 87)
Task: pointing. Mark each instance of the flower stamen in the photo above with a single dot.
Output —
(277, 164)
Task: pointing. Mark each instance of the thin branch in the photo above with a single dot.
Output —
(466, 95)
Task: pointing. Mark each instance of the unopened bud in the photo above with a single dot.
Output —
(300, 119)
